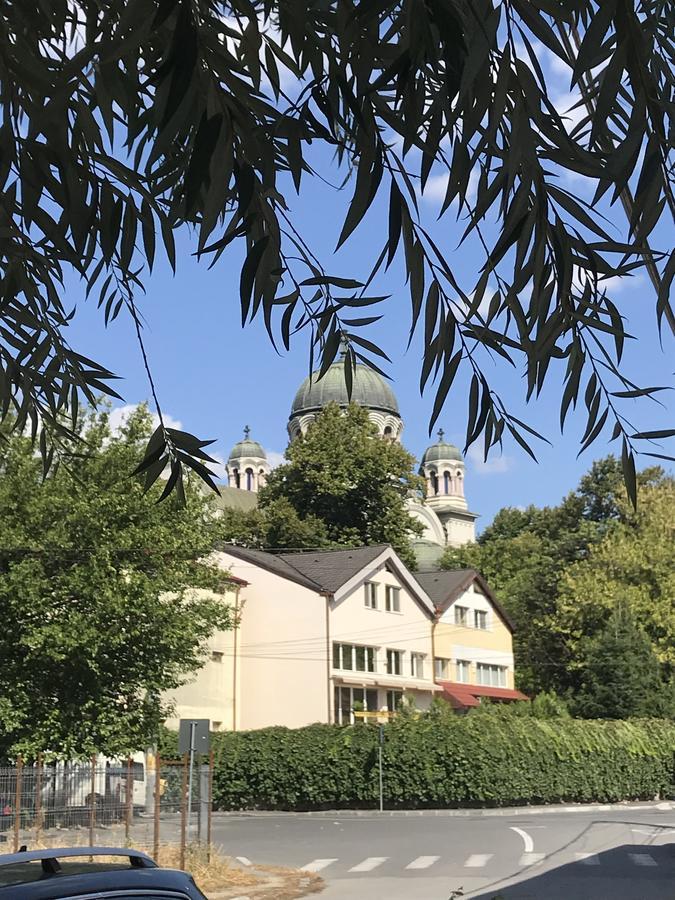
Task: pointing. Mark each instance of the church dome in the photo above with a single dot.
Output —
(369, 389)
(441, 452)
(247, 448)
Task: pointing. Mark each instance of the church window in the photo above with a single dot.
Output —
(446, 482)
(249, 479)
(237, 479)
(434, 483)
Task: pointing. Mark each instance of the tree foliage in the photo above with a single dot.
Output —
(105, 599)
(558, 570)
(126, 121)
(343, 475)
(277, 526)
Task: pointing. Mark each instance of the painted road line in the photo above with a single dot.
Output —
(642, 859)
(478, 860)
(588, 859)
(422, 862)
(531, 859)
(316, 865)
(372, 862)
(527, 839)
(245, 861)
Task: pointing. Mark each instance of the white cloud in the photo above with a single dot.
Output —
(437, 185)
(274, 458)
(495, 465)
(120, 415)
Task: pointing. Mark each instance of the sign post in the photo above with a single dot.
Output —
(193, 738)
(381, 743)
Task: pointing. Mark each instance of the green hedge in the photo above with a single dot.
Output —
(463, 762)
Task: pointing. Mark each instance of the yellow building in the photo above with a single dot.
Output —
(472, 639)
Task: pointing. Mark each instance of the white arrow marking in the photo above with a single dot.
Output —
(529, 843)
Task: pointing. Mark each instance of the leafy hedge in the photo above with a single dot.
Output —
(463, 762)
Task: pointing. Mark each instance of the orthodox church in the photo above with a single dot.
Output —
(443, 509)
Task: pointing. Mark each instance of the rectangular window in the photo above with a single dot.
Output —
(349, 701)
(394, 699)
(480, 619)
(441, 667)
(217, 656)
(392, 599)
(417, 665)
(394, 662)
(462, 666)
(353, 658)
(461, 613)
(371, 594)
(492, 675)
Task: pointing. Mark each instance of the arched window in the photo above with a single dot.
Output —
(434, 483)
(446, 482)
(237, 479)
(388, 433)
(249, 479)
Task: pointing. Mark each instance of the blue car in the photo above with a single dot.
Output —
(75, 873)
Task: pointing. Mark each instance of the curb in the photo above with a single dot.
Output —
(662, 806)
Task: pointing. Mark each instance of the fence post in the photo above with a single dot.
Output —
(158, 799)
(129, 800)
(210, 806)
(39, 820)
(92, 801)
(17, 801)
(183, 810)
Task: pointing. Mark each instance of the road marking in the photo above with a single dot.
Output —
(422, 862)
(529, 843)
(244, 861)
(588, 859)
(477, 860)
(316, 865)
(643, 859)
(372, 862)
(531, 859)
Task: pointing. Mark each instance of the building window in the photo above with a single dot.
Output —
(394, 700)
(350, 700)
(446, 482)
(237, 478)
(216, 726)
(480, 619)
(353, 658)
(371, 594)
(217, 656)
(394, 662)
(461, 614)
(417, 665)
(462, 668)
(492, 675)
(441, 667)
(249, 479)
(392, 599)
(434, 483)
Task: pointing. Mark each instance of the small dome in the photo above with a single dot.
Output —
(369, 389)
(247, 448)
(442, 451)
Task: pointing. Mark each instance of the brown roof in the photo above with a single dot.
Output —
(445, 586)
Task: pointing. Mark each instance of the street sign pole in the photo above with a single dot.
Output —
(193, 727)
(193, 738)
(380, 763)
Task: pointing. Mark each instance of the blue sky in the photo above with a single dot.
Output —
(214, 378)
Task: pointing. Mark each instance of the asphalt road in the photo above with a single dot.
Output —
(610, 854)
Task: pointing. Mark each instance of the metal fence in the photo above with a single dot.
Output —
(146, 804)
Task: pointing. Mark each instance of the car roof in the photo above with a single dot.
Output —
(64, 873)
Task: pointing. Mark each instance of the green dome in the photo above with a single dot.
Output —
(442, 451)
(369, 389)
(247, 447)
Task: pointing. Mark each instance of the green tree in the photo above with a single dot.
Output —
(105, 596)
(277, 526)
(621, 676)
(526, 556)
(344, 475)
(129, 120)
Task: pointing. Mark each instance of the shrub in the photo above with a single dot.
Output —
(439, 762)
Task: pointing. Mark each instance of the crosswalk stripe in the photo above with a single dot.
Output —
(643, 859)
(588, 859)
(477, 860)
(244, 860)
(368, 864)
(531, 859)
(316, 865)
(422, 862)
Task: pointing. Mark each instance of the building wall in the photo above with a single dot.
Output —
(209, 693)
(409, 630)
(493, 646)
(459, 531)
(283, 654)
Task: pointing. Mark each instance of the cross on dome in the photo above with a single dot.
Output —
(441, 434)
(247, 431)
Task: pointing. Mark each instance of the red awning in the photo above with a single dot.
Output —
(463, 695)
